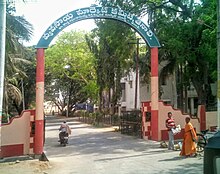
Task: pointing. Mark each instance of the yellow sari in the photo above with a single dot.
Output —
(189, 146)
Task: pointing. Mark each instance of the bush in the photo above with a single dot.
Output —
(115, 119)
(5, 118)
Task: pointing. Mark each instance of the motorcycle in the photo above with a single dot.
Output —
(63, 138)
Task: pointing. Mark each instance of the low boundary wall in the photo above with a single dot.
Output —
(18, 135)
(178, 116)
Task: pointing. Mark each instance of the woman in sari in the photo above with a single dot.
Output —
(189, 145)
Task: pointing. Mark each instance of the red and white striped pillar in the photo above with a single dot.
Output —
(31, 146)
(154, 93)
(39, 118)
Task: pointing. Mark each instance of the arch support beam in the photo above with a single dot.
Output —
(154, 93)
(94, 12)
(39, 119)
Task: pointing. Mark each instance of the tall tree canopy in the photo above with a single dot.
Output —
(18, 29)
(187, 32)
(70, 70)
(113, 55)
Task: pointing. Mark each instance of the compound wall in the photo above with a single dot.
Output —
(18, 135)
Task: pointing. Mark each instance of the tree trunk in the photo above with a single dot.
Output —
(185, 99)
(100, 100)
(180, 87)
(199, 86)
(174, 90)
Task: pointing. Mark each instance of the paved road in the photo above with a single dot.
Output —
(103, 151)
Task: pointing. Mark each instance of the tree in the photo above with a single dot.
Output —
(187, 33)
(113, 54)
(189, 45)
(76, 82)
(17, 29)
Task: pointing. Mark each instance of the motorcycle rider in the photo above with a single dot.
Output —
(64, 129)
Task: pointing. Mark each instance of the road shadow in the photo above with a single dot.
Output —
(101, 143)
(105, 146)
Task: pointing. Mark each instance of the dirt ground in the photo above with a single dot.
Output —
(25, 167)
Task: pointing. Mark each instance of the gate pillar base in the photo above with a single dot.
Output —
(41, 157)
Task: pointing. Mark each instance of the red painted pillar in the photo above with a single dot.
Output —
(39, 118)
(154, 93)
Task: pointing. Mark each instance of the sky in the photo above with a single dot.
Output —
(42, 13)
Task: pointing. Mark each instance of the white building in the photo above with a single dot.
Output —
(167, 91)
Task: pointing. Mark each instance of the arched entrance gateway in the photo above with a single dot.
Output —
(94, 12)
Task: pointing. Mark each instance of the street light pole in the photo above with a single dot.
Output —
(137, 70)
(137, 74)
(2, 56)
(218, 58)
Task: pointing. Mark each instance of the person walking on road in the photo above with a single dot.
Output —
(189, 145)
(170, 124)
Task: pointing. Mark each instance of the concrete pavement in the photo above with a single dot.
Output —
(104, 151)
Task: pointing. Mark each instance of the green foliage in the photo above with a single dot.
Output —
(98, 118)
(188, 37)
(18, 29)
(5, 117)
(112, 52)
(70, 70)
(187, 32)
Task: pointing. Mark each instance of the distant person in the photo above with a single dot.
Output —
(170, 124)
(64, 128)
(189, 145)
